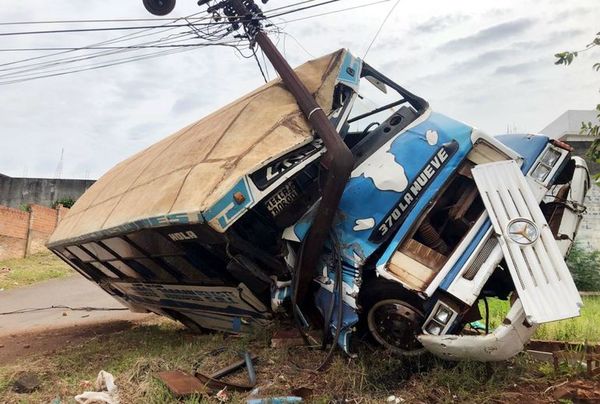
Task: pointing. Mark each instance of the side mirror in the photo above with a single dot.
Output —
(159, 7)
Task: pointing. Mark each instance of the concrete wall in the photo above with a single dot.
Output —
(16, 192)
(24, 233)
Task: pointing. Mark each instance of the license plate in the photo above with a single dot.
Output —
(285, 196)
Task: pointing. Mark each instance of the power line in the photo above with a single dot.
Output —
(57, 62)
(22, 311)
(335, 11)
(122, 38)
(115, 20)
(20, 71)
(94, 48)
(113, 63)
(381, 27)
(79, 30)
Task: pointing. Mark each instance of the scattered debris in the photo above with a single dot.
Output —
(26, 383)
(106, 391)
(286, 338)
(213, 383)
(222, 395)
(275, 400)
(183, 384)
(578, 391)
(575, 354)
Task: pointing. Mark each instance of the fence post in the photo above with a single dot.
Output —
(29, 225)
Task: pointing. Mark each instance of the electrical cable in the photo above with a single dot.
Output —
(487, 315)
(380, 28)
(31, 310)
(335, 11)
(337, 297)
(260, 67)
(94, 54)
(102, 29)
(133, 59)
(122, 38)
(202, 30)
(44, 66)
(86, 21)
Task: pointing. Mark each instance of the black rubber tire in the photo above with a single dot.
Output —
(159, 7)
(378, 290)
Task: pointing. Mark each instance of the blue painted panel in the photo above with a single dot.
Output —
(361, 200)
(350, 71)
(227, 209)
(528, 146)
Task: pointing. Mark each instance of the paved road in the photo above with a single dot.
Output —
(75, 291)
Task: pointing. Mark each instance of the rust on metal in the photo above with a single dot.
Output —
(181, 384)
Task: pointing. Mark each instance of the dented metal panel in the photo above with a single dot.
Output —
(541, 277)
(504, 343)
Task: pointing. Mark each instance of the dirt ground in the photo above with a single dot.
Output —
(47, 341)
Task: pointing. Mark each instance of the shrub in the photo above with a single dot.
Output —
(585, 268)
(66, 202)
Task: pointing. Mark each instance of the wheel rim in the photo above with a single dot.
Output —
(395, 324)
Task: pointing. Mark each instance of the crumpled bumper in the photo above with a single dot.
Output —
(505, 342)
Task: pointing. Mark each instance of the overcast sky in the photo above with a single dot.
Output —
(487, 63)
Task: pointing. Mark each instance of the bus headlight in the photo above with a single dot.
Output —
(443, 314)
(550, 157)
(546, 163)
(541, 172)
(434, 328)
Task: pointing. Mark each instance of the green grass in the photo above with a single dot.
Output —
(33, 269)
(584, 328)
(134, 356)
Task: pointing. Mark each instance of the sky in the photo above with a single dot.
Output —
(487, 63)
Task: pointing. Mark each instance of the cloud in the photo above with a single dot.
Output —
(520, 68)
(488, 35)
(103, 116)
(439, 23)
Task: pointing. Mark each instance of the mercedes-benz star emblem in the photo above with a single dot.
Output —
(522, 231)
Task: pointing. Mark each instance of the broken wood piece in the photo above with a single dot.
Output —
(182, 384)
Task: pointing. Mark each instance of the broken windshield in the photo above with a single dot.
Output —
(381, 110)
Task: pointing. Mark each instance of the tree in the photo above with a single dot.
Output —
(587, 128)
(584, 266)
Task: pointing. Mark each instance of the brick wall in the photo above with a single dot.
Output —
(14, 225)
(24, 233)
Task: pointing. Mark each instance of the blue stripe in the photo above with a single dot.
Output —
(466, 255)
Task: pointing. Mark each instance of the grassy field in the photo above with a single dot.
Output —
(585, 328)
(33, 269)
(134, 356)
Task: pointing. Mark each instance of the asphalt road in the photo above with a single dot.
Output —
(75, 291)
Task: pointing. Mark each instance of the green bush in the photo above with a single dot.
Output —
(66, 202)
(585, 268)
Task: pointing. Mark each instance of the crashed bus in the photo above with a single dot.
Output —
(207, 226)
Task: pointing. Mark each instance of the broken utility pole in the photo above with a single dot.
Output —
(338, 160)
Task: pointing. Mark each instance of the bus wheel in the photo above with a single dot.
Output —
(394, 318)
(159, 7)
